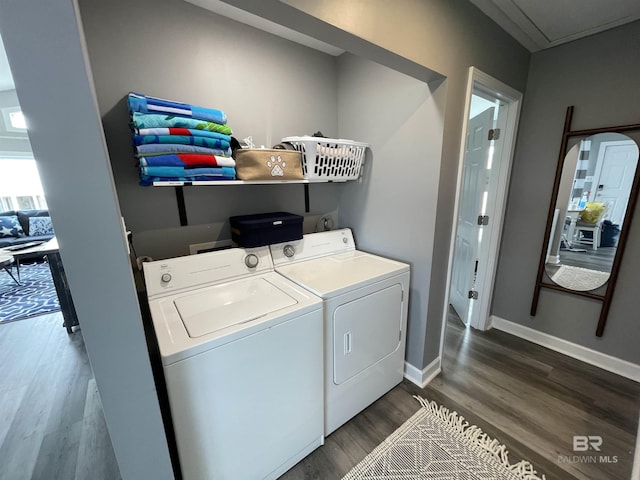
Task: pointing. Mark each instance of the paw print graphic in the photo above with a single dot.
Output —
(277, 166)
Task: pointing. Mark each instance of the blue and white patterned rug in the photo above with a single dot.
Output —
(35, 296)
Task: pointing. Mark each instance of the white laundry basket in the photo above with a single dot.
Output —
(329, 159)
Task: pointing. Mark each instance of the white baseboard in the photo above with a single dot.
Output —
(635, 472)
(587, 355)
(424, 376)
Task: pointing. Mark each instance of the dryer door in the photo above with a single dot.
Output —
(365, 331)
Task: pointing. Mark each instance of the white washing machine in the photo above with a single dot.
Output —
(365, 316)
(242, 353)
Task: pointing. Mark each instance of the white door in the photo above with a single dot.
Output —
(474, 186)
(614, 175)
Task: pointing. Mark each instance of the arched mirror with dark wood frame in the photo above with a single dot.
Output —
(594, 196)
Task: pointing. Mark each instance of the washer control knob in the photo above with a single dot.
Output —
(345, 240)
(289, 251)
(166, 277)
(251, 260)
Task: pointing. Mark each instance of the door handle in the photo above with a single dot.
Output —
(347, 343)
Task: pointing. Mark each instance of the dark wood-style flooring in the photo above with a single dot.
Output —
(530, 398)
(51, 421)
(584, 256)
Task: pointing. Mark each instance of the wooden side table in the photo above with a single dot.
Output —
(50, 250)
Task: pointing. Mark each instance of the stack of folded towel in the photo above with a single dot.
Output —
(179, 142)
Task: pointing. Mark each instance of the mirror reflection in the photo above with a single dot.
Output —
(593, 196)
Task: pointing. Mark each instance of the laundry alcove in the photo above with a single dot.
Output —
(271, 87)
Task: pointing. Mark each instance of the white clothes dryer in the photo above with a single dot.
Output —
(365, 300)
(242, 354)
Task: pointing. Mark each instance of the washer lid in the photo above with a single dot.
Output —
(220, 306)
(334, 274)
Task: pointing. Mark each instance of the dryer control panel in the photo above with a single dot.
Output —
(313, 245)
(174, 274)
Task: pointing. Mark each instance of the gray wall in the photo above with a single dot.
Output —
(447, 37)
(393, 210)
(46, 53)
(599, 76)
(269, 88)
(12, 143)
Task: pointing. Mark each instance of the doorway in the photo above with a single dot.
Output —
(614, 172)
(491, 113)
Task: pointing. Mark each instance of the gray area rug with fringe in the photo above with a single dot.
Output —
(438, 444)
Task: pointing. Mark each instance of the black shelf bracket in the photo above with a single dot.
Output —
(182, 209)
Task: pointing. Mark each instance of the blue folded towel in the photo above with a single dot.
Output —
(186, 160)
(182, 139)
(145, 104)
(147, 181)
(154, 120)
(181, 131)
(154, 171)
(150, 149)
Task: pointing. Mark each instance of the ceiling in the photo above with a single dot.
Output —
(536, 24)
(540, 24)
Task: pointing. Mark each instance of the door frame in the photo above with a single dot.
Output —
(486, 276)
